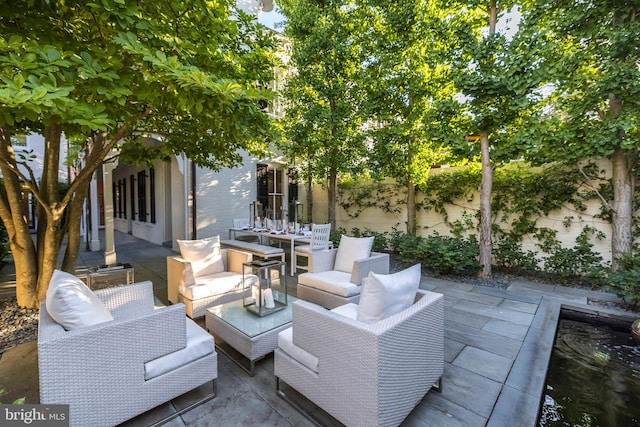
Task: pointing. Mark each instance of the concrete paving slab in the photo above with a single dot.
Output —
(451, 349)
(538, 287)
(514, 409)
(517, 317)
(443, 284)
(484, 340)
(524, 307)
(485, 363)
(507, 329)
(437, 411)
(513, 294)
(464, 317)
(462, 295)
(529, 370)
(470, 390)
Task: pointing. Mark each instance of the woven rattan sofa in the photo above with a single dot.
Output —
(364, 374)
(111, 371)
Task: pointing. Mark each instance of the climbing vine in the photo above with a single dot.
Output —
(354, 196)
(522, 196)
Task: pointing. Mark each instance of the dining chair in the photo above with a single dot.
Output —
(319, 241)
(238, 223)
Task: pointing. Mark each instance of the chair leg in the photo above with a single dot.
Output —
(206, 398)
(437, 386)
(300, 267)
(327, 420)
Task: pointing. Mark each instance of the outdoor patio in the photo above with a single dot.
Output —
(497, 346)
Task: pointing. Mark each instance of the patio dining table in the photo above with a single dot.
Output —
(281, 236)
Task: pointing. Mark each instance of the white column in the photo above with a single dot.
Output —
(183, 167)
(110, 249)
(95, 214)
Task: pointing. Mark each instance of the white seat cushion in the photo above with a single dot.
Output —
(199, 344)
(285, 342)
(214, 284)
(352, 249)
(384, 295)
(332, 281)
(72, 304)
(203, 254)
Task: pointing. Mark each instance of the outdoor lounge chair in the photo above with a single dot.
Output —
(205, 275)
(111, 355)
(363, 372)
(335, 275)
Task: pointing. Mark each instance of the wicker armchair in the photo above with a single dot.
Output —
(198, 294)
(103, 371)
(330, 288)
(364, 374)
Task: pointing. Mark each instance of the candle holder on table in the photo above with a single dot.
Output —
(264, 286)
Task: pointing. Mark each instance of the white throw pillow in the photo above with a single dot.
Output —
(351, 249)
(72, 304)
(203, 254)
(384, 295)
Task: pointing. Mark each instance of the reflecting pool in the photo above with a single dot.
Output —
(593, 377)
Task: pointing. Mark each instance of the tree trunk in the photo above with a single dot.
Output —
(623, 191)
(15, 216)
(332, 199)
(48, 211)
(411, 207)
(73, 219)
(411, 189)
(310, 199)
(486, 186)
(485, 207)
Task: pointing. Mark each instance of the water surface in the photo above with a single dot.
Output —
(593, 378)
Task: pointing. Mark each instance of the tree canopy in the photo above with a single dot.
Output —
(588, 52)
(563, 89)
(324, 113)
(105, 73)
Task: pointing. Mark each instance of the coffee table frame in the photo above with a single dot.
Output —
(231, 323)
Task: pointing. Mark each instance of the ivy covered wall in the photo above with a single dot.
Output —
(539, 211)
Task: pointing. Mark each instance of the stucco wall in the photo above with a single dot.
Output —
(429, 222)
(224, 195)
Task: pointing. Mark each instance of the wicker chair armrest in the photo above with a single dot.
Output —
(179, 273)
(128, 300)
(235, 259)
(322, 260)
(376, 262)
(137, 339)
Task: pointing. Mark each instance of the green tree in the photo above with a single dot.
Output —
(496, 86)
(590, 57)
(324, 122)
(103, 73)
(411, 98)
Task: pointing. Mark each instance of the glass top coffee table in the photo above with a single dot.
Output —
(245, 336)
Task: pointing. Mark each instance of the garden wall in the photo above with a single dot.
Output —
(568, 222)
